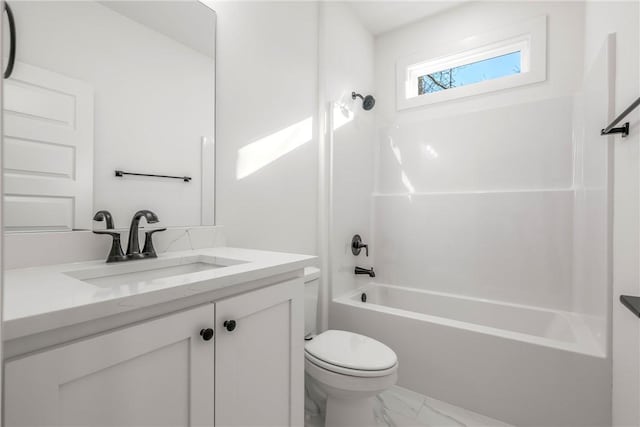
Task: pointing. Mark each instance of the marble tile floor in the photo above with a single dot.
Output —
(400, 407)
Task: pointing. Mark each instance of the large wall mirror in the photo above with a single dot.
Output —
(106, 86)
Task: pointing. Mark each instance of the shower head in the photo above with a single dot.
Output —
(367, 101)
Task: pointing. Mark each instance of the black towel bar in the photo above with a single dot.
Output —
(122, 173)
(632, 303)
(624, 129)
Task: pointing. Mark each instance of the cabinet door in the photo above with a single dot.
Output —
(260, 363)
(156, 373)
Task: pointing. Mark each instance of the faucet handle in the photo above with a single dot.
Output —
(149, 251)
(357, 245)
(115, 254)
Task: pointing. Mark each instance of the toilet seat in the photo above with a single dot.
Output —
(350, 372)
(352, 354)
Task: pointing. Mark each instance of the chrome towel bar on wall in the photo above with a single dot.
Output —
(624, 129)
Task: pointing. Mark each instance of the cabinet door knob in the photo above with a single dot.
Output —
(230, 325)
(206, 334)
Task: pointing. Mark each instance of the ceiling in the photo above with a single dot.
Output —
(188, 22)
(382, 16)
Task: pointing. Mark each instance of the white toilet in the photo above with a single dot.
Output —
(344, 371)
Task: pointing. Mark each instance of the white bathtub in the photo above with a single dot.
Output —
(523, 365)
(557, 329)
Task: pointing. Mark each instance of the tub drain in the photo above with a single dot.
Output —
(363, 297)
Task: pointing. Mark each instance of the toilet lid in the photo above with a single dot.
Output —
(350, 350)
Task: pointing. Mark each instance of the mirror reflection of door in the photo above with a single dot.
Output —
(48, 151)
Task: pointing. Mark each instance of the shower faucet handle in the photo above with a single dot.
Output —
(357, 245)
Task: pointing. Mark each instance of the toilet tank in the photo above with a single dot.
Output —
(311, 286)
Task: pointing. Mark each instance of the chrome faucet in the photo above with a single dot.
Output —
(133, 247)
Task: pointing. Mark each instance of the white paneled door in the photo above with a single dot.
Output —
(156, 373)
(48, 148)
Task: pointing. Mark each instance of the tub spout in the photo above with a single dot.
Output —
(370, 272)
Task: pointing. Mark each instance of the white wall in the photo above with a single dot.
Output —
(266, 150)
(622, 19)
(153, 102)
(474, 196)
(347, 61)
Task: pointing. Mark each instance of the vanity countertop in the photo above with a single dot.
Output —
(39, 299)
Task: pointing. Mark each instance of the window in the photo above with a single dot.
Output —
(507, 58)
(475, 72)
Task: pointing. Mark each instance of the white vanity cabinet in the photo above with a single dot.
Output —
(260, 361)
(156, 373)
(160, 372)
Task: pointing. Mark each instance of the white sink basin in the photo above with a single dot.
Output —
(132, 272)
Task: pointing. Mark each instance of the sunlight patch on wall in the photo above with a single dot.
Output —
(407, 183)
(396, 151)
(429, 152)
(260, 153)
(341, 116)
(403, 176)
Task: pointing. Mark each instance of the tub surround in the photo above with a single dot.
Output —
(44, 298)
(514, 246)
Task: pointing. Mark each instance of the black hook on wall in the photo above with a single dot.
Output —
(12, 41)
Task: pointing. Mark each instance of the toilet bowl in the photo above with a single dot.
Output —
(348, 370)
(344, 371)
